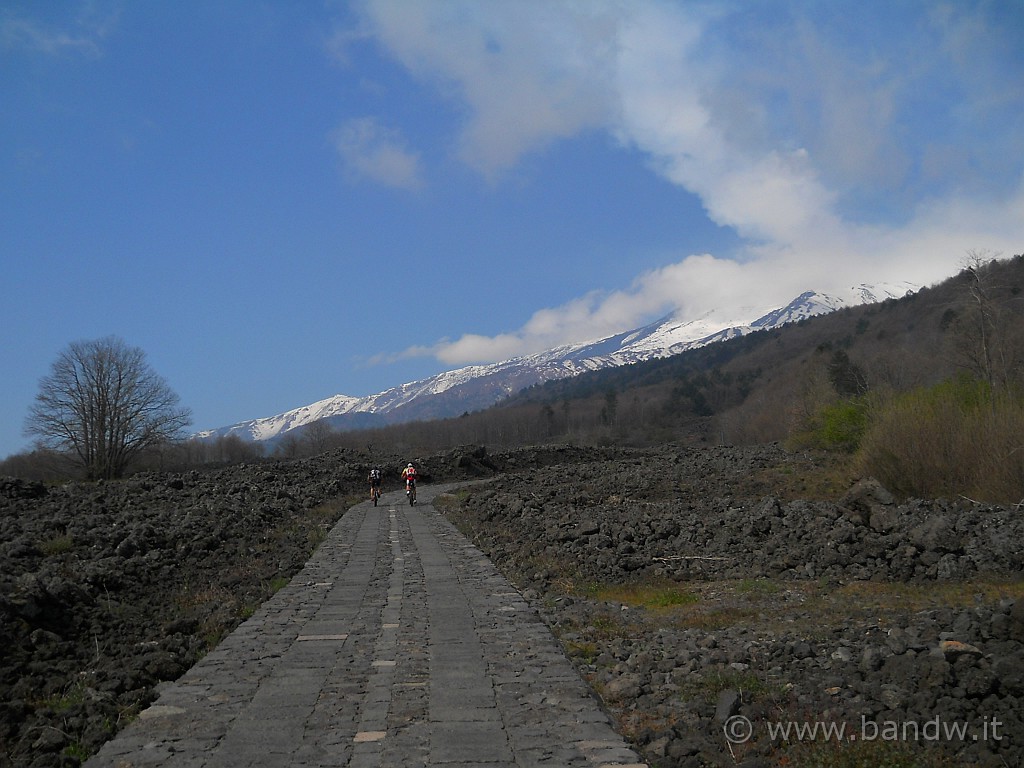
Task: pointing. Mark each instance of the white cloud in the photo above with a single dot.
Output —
(847, 153)
(699, 283)
(528, 72)
(929, 249)
(372, 151)
(81, 34)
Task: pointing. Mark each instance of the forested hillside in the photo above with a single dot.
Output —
(821, 382)
(950, 357)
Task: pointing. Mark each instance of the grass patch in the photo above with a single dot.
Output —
(58, 545)
(711, 618)
(212, 633)
(585, 637)
(710, 684)
(313, 525)
(215, 605)
(64, 700)
(336, 507)
(446, 502)
(582, 649)
(276, 584)
(669, 598)
(813, 608)
(606, 627)
(754, 587)
(197, 599)
(883, 599)
(826, 477)
(650, 596)
(861, 754)
(77, 751)
(315, 537)
(339, 506)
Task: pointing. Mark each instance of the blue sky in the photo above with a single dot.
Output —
(282, 201)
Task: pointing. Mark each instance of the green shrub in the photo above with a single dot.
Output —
(837, 426)
(843, 425)
(956, 438)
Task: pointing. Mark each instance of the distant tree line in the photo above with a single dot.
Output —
(945, 363)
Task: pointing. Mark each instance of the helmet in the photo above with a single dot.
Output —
(410, 463)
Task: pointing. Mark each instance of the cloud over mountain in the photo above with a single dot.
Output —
(834, 145)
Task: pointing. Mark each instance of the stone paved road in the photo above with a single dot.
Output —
(398, 644)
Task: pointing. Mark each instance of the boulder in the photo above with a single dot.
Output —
(864, 499)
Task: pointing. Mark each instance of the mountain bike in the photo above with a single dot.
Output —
(375, 494)
(410, 491)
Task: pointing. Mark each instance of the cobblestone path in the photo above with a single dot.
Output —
(398, 644)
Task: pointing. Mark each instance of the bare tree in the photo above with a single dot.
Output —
(102, 404)
(984, 330)
(984, 314)
(317, 435)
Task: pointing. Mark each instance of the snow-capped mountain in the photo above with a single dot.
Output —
(479, 386)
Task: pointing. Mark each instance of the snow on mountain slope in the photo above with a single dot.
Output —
(479, 386)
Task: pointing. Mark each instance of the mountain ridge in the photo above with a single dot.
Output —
(475, 387)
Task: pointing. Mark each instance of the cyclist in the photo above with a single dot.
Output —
(409, 475)
(374, 479)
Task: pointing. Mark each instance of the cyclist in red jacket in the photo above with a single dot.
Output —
(409, 475)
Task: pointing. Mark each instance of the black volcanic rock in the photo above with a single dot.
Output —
(109, 588)
(697, 519)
